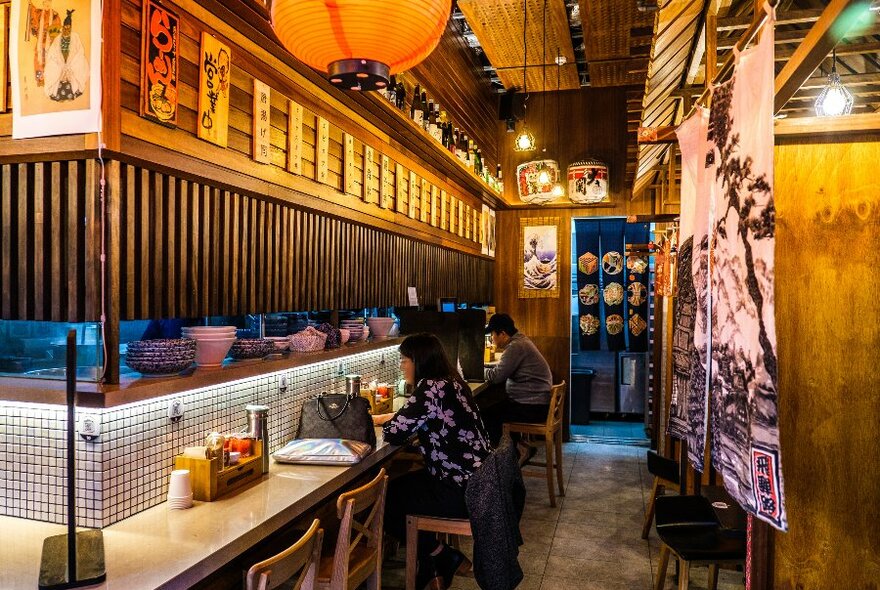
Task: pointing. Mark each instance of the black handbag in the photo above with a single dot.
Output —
(336, 415)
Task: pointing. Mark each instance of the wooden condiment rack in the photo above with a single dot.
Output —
(210, 480)
(382, 406)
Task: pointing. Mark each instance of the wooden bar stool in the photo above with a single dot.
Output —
(665, 472)
(303, 557)
(358, 554)
(552, 433)
(433, 524)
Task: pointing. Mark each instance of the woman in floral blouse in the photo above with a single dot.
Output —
(453, 441)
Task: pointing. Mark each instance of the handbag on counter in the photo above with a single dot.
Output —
(337, 416)
(322, 451)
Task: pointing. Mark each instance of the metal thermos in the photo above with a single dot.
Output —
(258, 427)
(352, 385)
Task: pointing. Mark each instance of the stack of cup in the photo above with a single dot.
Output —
(180, 495)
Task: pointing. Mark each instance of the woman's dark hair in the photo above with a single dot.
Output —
(429, 358)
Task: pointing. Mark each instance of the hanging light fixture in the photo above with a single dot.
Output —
(350, 40)
(525, 141)
(558, 190)
(834, 100)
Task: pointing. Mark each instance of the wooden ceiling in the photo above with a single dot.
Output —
(678, 61)
(498, 24)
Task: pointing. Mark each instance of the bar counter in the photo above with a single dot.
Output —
(162, 548)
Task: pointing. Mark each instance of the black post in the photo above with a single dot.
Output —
(71, 455)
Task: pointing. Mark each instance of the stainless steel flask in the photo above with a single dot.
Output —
(258, 417)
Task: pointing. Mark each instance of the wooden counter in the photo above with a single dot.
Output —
(98, 395)
(173, 549)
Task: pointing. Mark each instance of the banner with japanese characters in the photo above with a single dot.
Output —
(262, 125)
(214, 79)
(159, 63)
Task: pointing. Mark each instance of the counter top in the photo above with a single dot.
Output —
(99, 395)
(172, 549)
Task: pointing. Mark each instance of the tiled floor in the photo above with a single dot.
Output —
(591, 540)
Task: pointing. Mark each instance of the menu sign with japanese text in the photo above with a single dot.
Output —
(159, 63)
(262, 125)
(214, 79)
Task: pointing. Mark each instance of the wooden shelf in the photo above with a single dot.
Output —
(99, 395)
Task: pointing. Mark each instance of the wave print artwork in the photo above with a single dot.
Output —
(540, 247)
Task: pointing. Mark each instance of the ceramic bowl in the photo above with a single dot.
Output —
(212, 352)
(380, 327)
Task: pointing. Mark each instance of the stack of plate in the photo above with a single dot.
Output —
(163, 357)
(247, 349)
(212, 343)
(355, 328)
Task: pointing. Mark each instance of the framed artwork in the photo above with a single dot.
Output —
(539, 274)
(214, 79)
(55, 66)
(159, 63)
(4, 54)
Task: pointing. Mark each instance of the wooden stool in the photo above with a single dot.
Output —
(303, 557)
(552, 433)
(357, 559)
(665, 472)
(433, 524)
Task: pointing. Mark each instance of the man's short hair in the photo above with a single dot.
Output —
(501, 322)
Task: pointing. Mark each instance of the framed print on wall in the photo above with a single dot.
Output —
(159, 63)
(539, 273)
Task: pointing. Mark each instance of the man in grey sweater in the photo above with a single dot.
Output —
(525, 374)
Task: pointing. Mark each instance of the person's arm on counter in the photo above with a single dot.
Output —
(398, 428)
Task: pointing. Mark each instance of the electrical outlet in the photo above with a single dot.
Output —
(175, 410)
(382, 359)
(89, 426)
(340, 369)
(282, 384)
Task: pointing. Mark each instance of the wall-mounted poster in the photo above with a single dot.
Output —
(491, 234)
(484, 230)
(214, 77)
(4, 55)
(159, 65)
(262, 125)
(539, 277)
(55, 58)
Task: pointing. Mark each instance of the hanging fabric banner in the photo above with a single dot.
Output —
(587, 249)
(688, 408)
(613, 292)
(637, 290)
(745, 435)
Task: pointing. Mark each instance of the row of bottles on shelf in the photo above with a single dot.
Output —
(428, 114)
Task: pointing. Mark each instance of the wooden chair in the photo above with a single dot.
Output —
(552, 433)
(665, 472)
(303, 557)
(416, 523)
(358, 554)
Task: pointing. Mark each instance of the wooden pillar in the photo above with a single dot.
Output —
(111, 295)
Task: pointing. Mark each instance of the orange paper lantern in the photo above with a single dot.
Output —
(360, 43)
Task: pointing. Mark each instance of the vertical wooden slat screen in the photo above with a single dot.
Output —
(49, 241)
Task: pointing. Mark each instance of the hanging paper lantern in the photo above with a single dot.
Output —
(588, 182)
(535, 181)
(360, 43)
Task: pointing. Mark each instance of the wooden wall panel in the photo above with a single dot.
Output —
(828, 215)
(210, 251)
(49, 223)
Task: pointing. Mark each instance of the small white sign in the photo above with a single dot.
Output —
(413, 296)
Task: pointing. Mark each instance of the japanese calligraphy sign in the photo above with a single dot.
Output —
(476, 237)
(461, 219)
(214, 79)
(425, 210)
(262, 124)
(400, 193)
(322, 149)
(369, 174)
(159, 63)
(294, 137)
(348, 183)
(385, 182)
(413, 194)
(766, 485)
(4, 54)
(484, 230)
(435, 206)
(444, 210)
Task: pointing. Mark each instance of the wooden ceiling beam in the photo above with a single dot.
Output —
(789, 37)
(785, 53)
(811, 126)
(823, 36)
(734, 23)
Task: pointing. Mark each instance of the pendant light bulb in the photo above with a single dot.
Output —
(525, 141)
(834, 100)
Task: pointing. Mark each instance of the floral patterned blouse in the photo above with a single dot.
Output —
(451, 435)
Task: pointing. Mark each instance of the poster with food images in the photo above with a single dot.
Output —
(55, 67)
(214, 80)
(159, 63)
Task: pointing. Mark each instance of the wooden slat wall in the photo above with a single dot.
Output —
(192, 249)
(49, 241)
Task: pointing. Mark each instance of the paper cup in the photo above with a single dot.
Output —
(180, 485)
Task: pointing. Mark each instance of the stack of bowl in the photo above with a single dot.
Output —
(281, 344)
(251, 349)
(212, 343)
(380, 327)
(162, 357)
(355, 328)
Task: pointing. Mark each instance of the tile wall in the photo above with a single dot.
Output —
(125, 470)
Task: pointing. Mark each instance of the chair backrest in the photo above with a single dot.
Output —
(361, 512)
(557, 403)
(303, 557)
